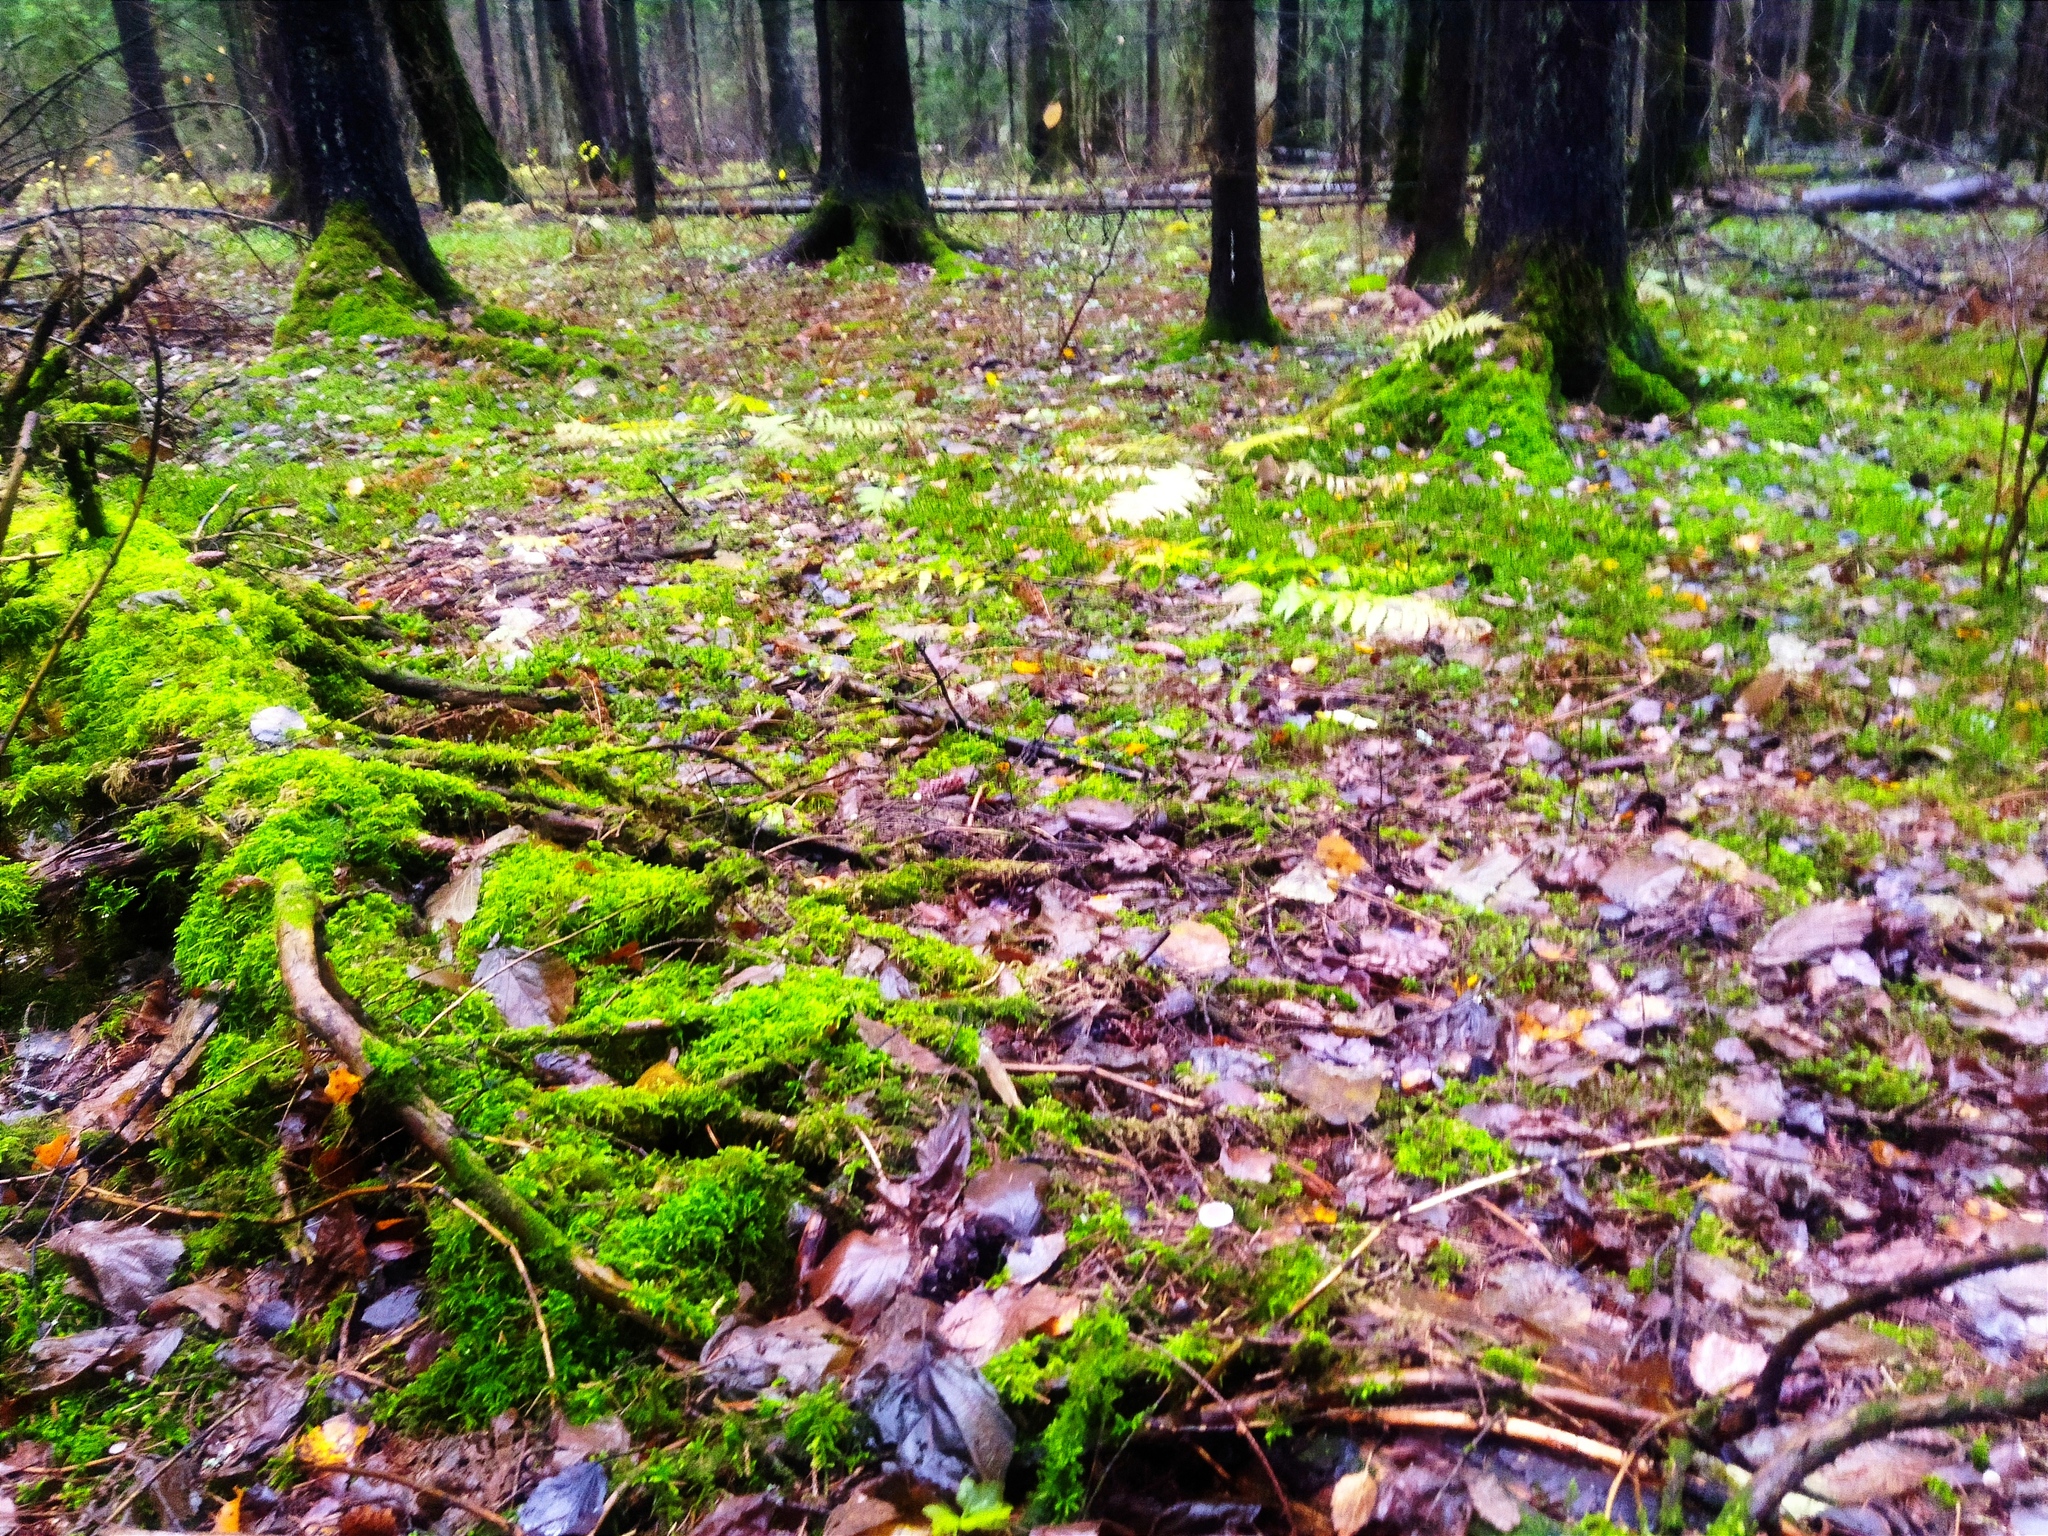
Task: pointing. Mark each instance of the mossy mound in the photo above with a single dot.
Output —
(850, 236)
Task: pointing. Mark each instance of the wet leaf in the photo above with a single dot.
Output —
(1815, 930)
(1100, 815)
(1194, 952)
(1035, 1257)
(1335, 853)
(1754, 1096)
(333, 1443)
(1342, 1096)
(129, 1265)
(1397, 954)
(984, 1323)
(799, 1351)
(342, 1085)
(935, 1411)
(532, 991)
(572, 1502)
(1011, 1194)
(898, 1047)
(1718, 1362)
(1352, 1502)
(861, 1275)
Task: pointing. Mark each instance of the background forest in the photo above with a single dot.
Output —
(1097, 767)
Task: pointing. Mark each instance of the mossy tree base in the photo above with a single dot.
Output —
(871, 233)
(1260, 330)
(353, 284)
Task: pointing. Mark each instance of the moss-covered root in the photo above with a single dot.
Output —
(871, 233)
(1784, 1472)
(546, 1249)
(353, 284)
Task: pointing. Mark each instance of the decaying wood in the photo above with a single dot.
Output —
(297, 909)
(435, 690)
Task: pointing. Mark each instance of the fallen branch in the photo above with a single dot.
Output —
(467, 1506)
(1878, 254)
(1423, 1384)
(1770, 1383)
(1243, 1429)
(299, 961)
(540, 1321)
(1876, 1419)
(415, 685)
(1024, 746)
(1528, 1431)
(15, 471)
(1082, 1069)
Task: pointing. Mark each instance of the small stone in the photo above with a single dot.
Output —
(1216, 1215)
(276, 725)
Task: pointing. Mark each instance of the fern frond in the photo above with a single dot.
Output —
(623, 434)
(1445, 326)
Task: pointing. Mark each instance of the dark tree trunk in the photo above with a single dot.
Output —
(1877, 30)
(597, 54)
(2023, 114)
(618, 124)
(821, 23)
(522, 73)
(874, 199)
(1237, 276)
(1152, 83)
(287, 176)
(742, 37)
(1287, 102)
(1053, 145)
(789, 137)
(1654, 176)
(582, 86)
(156, 136)
(548, 119)
(346, 126)
(1773, 34)
(1897, 95)
(1370, 145)
(487, 61)
(1702, 27)
(1984, 44)
(1441, 245)
(467, 165)
(1552, 246)
(1942, 82)
(640, 134)
(1816, 123)
(1405, 179)
(248, 77)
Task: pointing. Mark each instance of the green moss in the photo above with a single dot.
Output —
(353, 284)
(1513, 1363)
(1865, 1079)
(1633, 391)
(1447, 1150)
(592, 903)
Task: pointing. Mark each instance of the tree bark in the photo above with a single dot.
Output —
(287, 164)
(1054, 146)
(1287, 103)
(821, 23)
(1816, 123)
(1877, 30)
(1152, 83)
(248, 78)
(1941, 82)
(640, 134)
(1441, 246)
(1237, 309)
(582, 86)
(874, 198)
(2023, 114)
(597, 56)
(789, 137)
(1370, 144)
(1661, 155)
(1405, 179)
(522, 74)
(155, 134)
(487, 62)
(1552, 244)
(346, 126)
(467, 165)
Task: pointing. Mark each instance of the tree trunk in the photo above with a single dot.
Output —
(597, 54)
(548, 129)
(1441, 246)
(1773, 35)
(467, 165)
(1237, 276)
(619, 124)
(522, 74)
(1984, 45)
(1664, 68)
(821, 24)
(742, 35)
(156, 136)
(1405, 180)
(789, 137)
(346, 127)
(1370, 145)
(2023, 114)
(1942, 83)
(248, 78)
(1552, 245)
(582, 86)
(1152, 84)
(1287, 104)
(1055, 145)
(1691, 158)
(874, 200)
(640, 134)
(1897, 94)
(1877, 30)
(487, 61)
(1816, 124)
(287, 176)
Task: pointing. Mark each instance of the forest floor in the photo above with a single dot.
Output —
(1021, 844)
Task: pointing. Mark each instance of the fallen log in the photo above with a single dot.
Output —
(436, 690)
(315, 1003)
(1958, 194)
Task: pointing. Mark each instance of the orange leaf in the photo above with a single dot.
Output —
(1335, 853)
(333, 1444)
(60, 1151)
(342, 1084)
(229, 1516)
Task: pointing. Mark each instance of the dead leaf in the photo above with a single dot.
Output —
(1352, 1502)
(1641, 885)
(342, 1085)
(2021, 876)
(861, 1275)
(1754, 1096)
(1100, 815)
(897, 1046)
(1341, 1095)
(1975, 996)
(1818, 929)
(532, 991)
(1491, 1501)
(799, 1351)
(1011, 1195)
(1307, 882)
(931, 1407)
(129, 1265)
(60, 1151)
(1718, 1362)
(1194, 952)
(209, 1303)
(333, 1443)
(984, 1323)
(1335, 853)
(1247, 1165)
(1397, 954)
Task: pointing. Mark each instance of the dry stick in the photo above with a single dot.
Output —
(1070, 1069)
(547, 1343)
(1017, 744)
(1770, 1382)
(1875, 1420)
(1244, 1429)
(38, 345)
(15, 471)
(1635, 1449)
(156, 428)
(1879, 254)
(1530, 1431)
(299, 962)
(467, 1506)
(1473, 1187)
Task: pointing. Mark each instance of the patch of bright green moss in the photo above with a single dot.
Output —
(1447, 1150)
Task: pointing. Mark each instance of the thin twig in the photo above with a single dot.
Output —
(547, 1343)
(1244, 1429)
(1084, 1069)
(15, 471)
(467, 1506)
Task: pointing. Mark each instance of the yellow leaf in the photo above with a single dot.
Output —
(60, 1151)
(1748, 543)
(333, 1444)
(229, 1516)
(356, 486)
(1335, 853)
(660, 1077)
(342, 1084)
(1052, 115)
(1027, 666)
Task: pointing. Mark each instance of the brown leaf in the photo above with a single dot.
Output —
(1397, 954)
(861, 1275)
(1352, 1502)
(129, 1265)
(532, 991)
(1339, 1095)
(1822, 928)
(897, 1046)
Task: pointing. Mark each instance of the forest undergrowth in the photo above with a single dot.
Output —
(958, 869)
